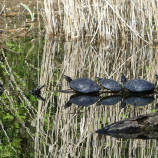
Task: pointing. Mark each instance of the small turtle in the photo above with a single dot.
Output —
(1, 88)
(139, 86)
(82, 100)
(83, 85)
(110, 84)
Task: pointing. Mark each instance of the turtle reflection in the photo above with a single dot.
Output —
(82, 100)
(138, 100)
(110, 100)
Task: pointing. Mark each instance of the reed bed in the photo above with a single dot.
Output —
(103, 19)
(58, 132)
(72, 129)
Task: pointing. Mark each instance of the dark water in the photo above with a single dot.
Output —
(31, 127)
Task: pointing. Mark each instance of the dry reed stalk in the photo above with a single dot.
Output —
(130, 20)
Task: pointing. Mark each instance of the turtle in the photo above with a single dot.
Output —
(1, 88)
(83, 85)
(138, 86)
(82, 100)
(110, 84)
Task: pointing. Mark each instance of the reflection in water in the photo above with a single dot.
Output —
(140, 127)
(49, 128)
(89, 99)
(110, 100)
(138, 101)
(82, 100)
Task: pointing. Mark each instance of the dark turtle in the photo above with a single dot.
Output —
(1, 88)
(110, 100)
(83, 85)
(82, 100)
(37, 90)
(110, 84)
(139, 85)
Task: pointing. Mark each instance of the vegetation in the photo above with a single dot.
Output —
(110, 20)
(30, 127)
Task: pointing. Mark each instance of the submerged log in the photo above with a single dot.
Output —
(143, 127)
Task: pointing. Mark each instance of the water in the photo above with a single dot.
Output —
(31, 127)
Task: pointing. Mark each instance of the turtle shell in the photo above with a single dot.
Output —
(139, 85)
(84, 85)
(110, 85)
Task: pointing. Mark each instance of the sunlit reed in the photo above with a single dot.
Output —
(72, 132)
(99, 19)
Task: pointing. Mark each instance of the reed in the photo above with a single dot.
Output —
(72, 133)
(57, 132)
(102, 19)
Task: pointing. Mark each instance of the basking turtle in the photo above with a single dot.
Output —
(139, 86)
(110, 84)
(83, 85)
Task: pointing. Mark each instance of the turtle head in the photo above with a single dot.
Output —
(67, 78)
(123, 79)
(98, 78)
